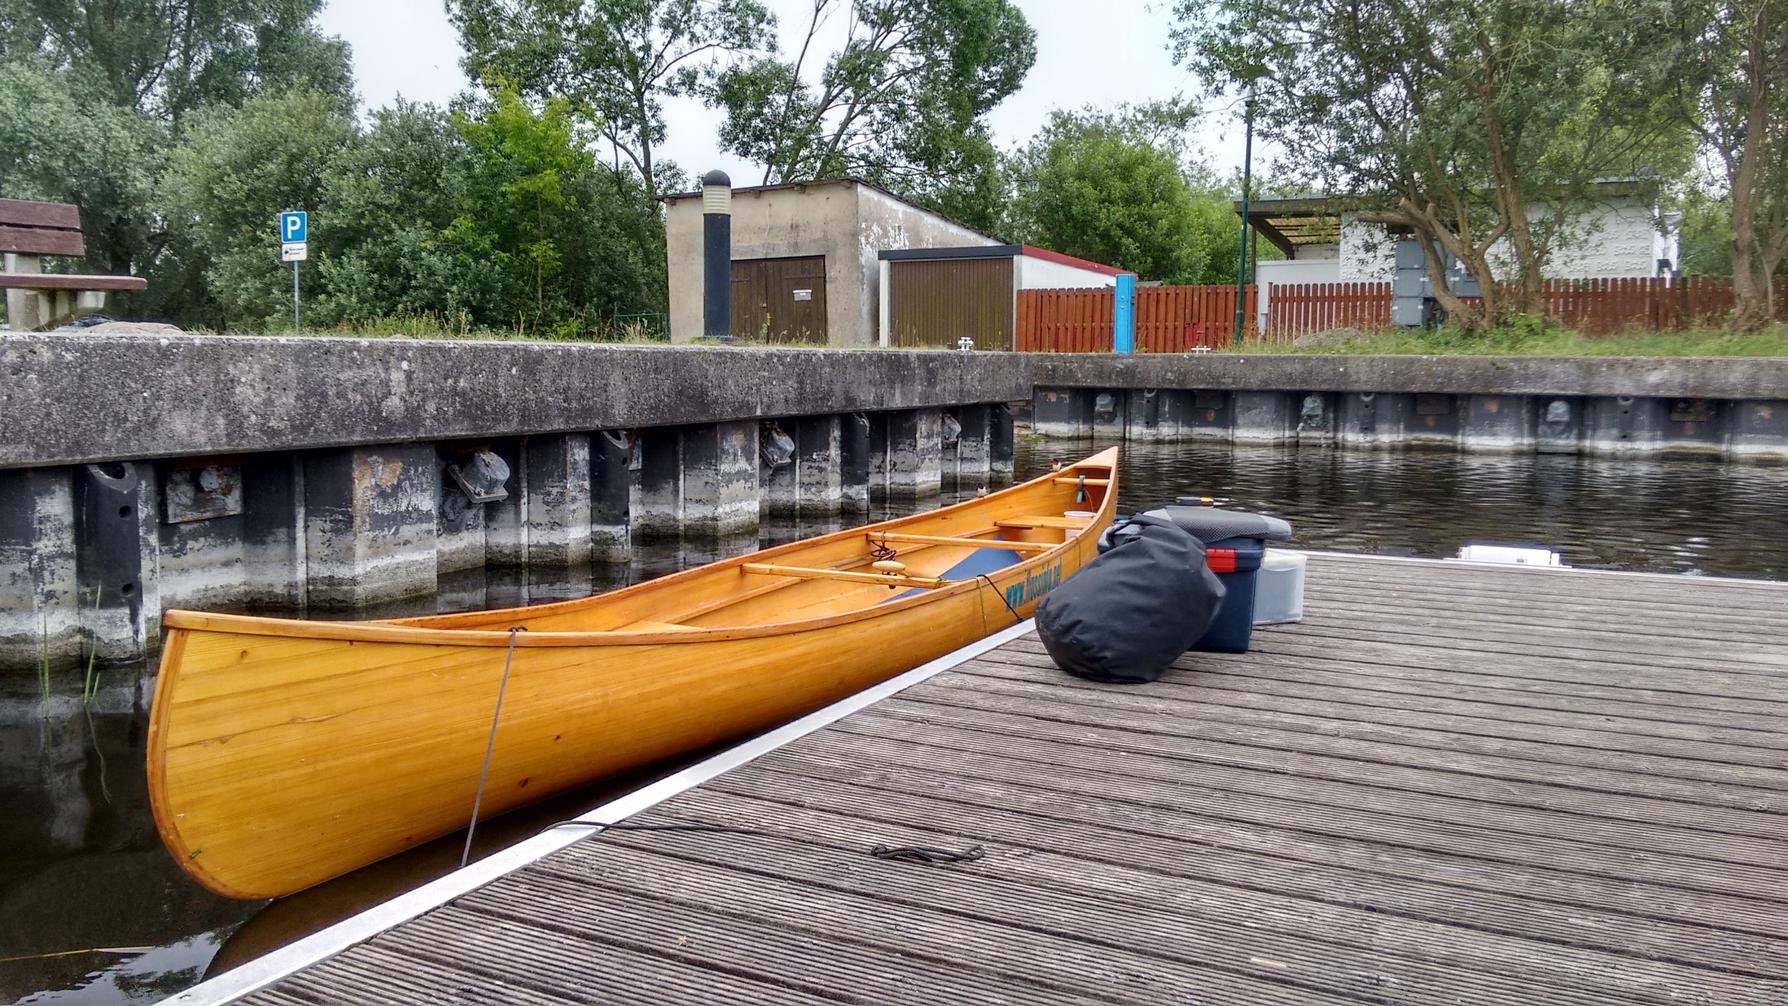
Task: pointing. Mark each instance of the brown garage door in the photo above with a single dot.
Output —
(934, 302)
(780, 299)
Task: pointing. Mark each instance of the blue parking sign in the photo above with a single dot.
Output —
(292, 226)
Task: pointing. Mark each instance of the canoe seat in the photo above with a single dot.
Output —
(1072, 523)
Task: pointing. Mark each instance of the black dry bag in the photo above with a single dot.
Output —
(1128, 614)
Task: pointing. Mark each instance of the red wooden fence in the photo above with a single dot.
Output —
(1174, 319)
(1169, 319)
(1298, 309)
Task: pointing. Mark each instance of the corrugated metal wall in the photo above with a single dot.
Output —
(780, 299)
(936, 302)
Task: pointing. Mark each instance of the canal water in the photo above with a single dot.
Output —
(92, 910)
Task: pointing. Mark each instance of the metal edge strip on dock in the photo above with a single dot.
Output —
(264, 971)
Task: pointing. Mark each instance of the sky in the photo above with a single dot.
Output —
(1088, 52)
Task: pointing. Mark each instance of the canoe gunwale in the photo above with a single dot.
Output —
(178, 620)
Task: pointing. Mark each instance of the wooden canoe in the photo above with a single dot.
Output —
(283, 752)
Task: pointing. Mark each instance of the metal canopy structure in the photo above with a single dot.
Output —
(1295, 221)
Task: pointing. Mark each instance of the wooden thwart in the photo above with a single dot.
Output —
(932, 539)
(808, 572)
(1071, 523)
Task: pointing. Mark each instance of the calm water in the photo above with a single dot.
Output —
(92, 910)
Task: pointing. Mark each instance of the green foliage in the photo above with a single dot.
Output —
(1113, 187)
(615, 59)
(224, 187)
(901, 103)
(166, 58)
(1471, 124)
(61, 139)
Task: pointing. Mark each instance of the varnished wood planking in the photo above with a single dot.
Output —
(1360, 810)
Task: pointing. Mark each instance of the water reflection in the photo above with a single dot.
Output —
(84, 871)
(1678, 516)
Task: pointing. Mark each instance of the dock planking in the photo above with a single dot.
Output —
(1450, 784)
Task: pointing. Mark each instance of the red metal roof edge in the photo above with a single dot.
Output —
(1032, 251)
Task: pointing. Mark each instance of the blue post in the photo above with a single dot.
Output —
(1123, 315)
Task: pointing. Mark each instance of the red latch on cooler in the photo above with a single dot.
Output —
(1221, 560)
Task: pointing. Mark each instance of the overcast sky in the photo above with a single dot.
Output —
(1088, 52)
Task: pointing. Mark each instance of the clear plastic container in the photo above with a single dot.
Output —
(1279, 588)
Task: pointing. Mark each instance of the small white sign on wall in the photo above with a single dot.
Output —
(803, 294)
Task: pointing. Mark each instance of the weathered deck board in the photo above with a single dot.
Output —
(1450, 784)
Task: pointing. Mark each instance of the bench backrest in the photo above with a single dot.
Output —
(34, 228)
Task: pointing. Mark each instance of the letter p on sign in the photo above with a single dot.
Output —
(293, 225)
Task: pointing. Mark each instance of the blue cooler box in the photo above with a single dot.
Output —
(1236, 561)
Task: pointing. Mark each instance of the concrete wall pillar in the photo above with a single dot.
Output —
(1372, 418)
(1497, 423)
(1432, 420)
(779, 483)
(1110, 412)
(230, 534)
(611, 492)
(854, 463)
(505, 520)
(974, 454)
(819, 488)
(1758, 428)
(657, 502)
(1064, 413)
(1000, 442)
(878, 456)
(369, 526)
(556, 503)
(914, 453)
(1698, 425)
(1266, 417)
(1205, 415)
(1155, 414)
(720, 480)
(1624, 423)
(1558, 424)
(38, 586)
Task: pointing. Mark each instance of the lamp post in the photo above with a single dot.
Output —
(1241, 268)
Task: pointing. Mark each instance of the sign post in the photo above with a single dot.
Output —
(294, 233)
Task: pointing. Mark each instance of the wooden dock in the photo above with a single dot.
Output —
(1450, 784)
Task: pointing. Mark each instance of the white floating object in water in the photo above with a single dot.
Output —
(1518, 555)
(1279, 588)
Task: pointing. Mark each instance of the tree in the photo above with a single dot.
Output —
(1478, 127)
(493, 214)
(618, 58)
(167, 58)
(237, 168)
(61, 139)
(1728, 88)
(1111, 187)
(901, 103)
(94, 94)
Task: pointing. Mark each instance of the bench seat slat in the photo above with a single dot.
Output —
(31, 213)
(42, 241)
(58, 281)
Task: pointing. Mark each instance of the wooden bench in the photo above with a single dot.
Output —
(36, 300)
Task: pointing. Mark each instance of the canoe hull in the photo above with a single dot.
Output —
(278, 761)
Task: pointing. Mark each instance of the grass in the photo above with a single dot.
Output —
(1533, 340)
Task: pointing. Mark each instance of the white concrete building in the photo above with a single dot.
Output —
(805, 265)
(1618, 236)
